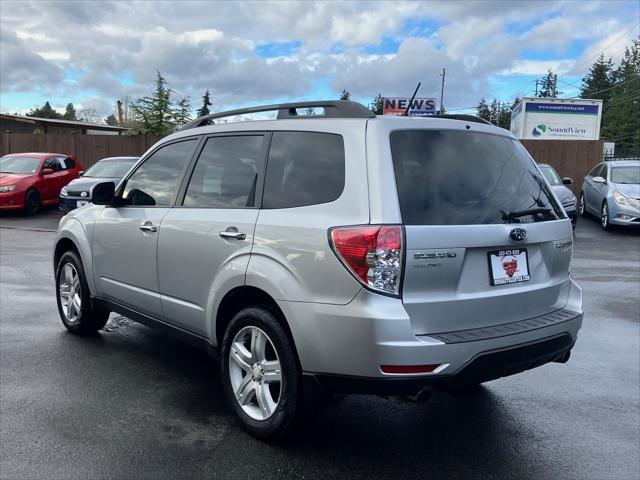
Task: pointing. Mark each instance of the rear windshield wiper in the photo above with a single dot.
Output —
(523, 213)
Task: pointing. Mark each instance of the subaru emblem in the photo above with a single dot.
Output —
(518, 234)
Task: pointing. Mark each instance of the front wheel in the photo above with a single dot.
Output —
(260, 374)
(74, 299)
(32, 202)
(582, 208)
(604, 217)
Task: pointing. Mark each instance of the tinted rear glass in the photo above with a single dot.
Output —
(304, 168)
(448, 177)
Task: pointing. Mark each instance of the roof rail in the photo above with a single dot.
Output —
(332, 109)
(461, 116)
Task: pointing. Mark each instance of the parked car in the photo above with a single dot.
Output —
(77, 193)
(611, 191)
(28, 180)
(344, 254)
(559, 186)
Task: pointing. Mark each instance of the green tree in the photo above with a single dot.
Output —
(345, 95)
(548, 85)
(599, 82)
(111, 120)
(206, 103)
(377, 105)
(69, 112)
(44, 112)
(154, 114)
(621, 117)
(182, 114)
(483, 110)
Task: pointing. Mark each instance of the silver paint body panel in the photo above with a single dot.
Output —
(338, 327)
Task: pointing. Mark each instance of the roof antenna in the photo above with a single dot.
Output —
(406, 112)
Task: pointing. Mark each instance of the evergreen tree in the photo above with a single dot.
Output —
(111, 120)
(377, 105)
(182, 115)
(206, 103)
(621, 117)
(548, 87)
(154, 114)
(69, 112)
(345, 95)
(599, 81)
(44, 112)
(483, 110)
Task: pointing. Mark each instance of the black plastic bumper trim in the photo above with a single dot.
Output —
(513, 328)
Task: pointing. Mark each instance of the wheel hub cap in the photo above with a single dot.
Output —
(254, 371)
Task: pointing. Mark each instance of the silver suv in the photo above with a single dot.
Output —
(331, 253)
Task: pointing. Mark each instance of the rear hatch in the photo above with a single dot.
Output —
(487, 242)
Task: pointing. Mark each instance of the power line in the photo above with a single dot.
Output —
(601, 52)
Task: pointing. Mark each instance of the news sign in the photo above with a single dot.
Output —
(420, 107)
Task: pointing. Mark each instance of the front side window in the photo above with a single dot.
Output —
(156, 181)
(304, 168)
(597, 170)
(226, 175)
(449, 177)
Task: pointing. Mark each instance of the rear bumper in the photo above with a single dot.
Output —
(344, 346)
(484, 367)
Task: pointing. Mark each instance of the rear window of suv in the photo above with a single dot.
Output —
(450, 177)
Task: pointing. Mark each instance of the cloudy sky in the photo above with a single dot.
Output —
(92, 53)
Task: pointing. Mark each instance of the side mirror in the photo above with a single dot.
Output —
(567, 180)
(47, 171)
(103, 193)
(599, 180)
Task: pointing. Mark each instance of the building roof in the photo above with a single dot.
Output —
(62, 123)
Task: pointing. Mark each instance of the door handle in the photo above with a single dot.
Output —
(148, 227)
(232, 232)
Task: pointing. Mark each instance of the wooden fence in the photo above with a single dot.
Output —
(87, 149)
(570, 158)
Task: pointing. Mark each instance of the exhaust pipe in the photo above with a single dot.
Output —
(564, 358)
(420, 398)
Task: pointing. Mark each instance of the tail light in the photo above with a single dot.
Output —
(373, 254)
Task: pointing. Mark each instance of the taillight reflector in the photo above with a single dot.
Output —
(408, 368)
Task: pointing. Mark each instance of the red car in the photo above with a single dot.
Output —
(28, 180)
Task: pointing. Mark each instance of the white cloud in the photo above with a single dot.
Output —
(113, 49)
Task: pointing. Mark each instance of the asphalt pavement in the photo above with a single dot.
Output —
(133, 403)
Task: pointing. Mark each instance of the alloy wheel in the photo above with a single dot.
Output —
(70, 294)
(254, 370)
(605, 216)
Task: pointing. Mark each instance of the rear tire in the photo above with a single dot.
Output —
(604, 217)
(74, 299)
(260, 374)
(31, 202)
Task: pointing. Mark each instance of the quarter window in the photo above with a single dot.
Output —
(227, 172)
(155, 182)
(304, 168)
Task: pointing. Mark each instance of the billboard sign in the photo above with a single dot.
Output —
(556, 121)
(420, 107)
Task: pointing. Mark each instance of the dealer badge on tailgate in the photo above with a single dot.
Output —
(508, 266)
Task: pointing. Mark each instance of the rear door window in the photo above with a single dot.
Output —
(304, 168)
(227, 173)
(449, 177)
